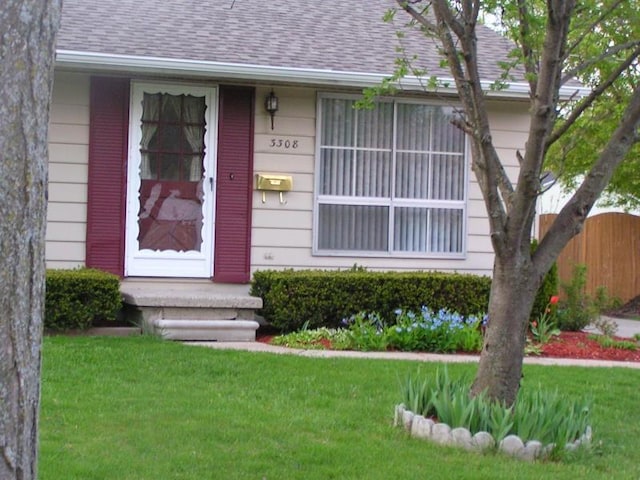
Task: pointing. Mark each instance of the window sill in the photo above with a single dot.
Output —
(394, 255)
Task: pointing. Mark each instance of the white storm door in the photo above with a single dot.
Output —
(170, 186)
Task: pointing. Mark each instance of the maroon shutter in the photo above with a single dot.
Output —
(108, 137)
(234, 185)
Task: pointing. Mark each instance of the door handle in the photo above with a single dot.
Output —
(211, 183)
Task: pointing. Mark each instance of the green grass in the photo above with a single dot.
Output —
(140, 408)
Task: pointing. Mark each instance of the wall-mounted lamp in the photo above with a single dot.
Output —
(271, 105)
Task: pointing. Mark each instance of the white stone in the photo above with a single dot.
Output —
(571, 446)
(462, 437)
(397, 415)
(547, 449)
(441, 433)
(414, 424)
(421, 427)
(483, 441)
(512, 445)
(407, 419)
(531, 450)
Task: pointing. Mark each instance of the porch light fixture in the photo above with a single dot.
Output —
(271, 105)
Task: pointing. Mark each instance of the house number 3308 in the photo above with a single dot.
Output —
(283, 143)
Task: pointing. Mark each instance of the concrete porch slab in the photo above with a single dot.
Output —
(192, 309)
(188, 294)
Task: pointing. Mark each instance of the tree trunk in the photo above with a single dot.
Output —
(26, 77)
(512, 296)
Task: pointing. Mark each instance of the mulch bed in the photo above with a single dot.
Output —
(566, 345)
(578, 345)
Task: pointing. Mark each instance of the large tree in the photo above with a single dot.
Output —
(27, 50)
(550, 40)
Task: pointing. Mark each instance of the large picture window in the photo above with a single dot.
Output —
(390, 180)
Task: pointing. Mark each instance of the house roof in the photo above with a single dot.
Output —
(263, 40)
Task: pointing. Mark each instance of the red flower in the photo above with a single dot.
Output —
(553, 300)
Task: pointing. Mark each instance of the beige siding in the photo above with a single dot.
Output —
(66, 212)
(284, 163)
(64, 254)
(68, 164)
(478, 225)
(68, 153)
(283, 233)
(509, 127)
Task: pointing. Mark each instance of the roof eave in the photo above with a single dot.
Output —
(306, 76)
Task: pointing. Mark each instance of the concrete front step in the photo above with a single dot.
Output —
(221, 330)
(193, 310)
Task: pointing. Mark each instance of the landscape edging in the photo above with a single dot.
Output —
(441, 433)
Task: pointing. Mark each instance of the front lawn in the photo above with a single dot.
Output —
(140, 408)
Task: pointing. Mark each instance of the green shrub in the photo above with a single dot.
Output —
(77, 298)
(324, 298)
(548, 288)
(577, 309)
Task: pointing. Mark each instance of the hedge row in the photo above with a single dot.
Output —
(324, 298)
(76, 298)
(317, 298)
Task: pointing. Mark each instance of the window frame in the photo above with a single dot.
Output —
(391, 201)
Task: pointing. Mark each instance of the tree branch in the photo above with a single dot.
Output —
(588, 30)
(490, 174)
(530, 63)
(571, 74)
(543, 114)
(443, 10)
(418, 16)
(588, 101)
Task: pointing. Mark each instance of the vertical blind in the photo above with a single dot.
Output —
(391, 179)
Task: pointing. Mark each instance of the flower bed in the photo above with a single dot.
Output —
(575, 345)
(580, 345)
(440, 332)
(449, 332)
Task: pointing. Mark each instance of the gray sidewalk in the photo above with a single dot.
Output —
(626, 328)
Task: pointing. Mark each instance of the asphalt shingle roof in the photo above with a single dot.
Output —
(338, 35)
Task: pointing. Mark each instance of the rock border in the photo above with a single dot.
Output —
(441, 433)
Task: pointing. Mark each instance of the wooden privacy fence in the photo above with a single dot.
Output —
(609, 245)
